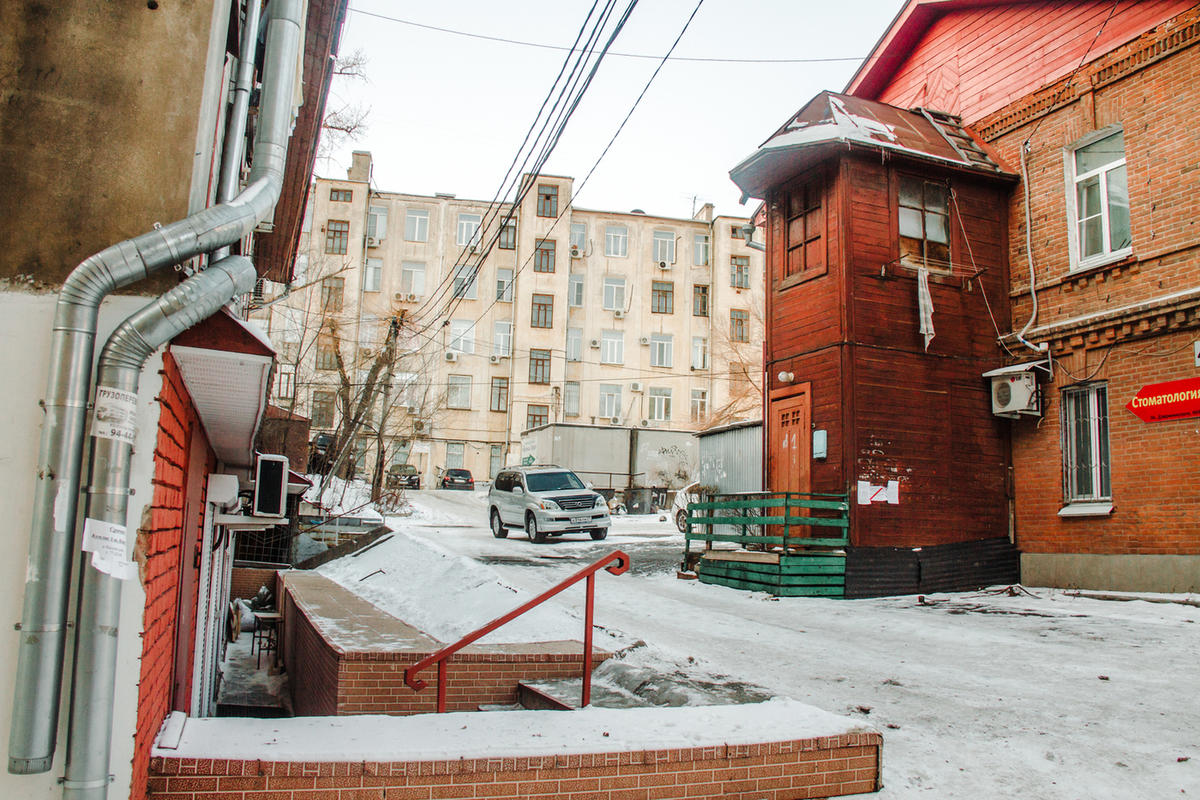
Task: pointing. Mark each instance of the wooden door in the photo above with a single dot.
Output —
(789, 447)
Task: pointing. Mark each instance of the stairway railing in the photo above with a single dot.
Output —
(615, 562)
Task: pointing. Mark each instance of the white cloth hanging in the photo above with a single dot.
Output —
(925, 305)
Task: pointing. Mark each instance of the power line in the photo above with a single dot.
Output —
(649, 56)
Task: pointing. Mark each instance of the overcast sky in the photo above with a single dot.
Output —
(448, 112)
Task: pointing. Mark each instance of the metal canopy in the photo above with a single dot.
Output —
(1043, 365)
(229, 391)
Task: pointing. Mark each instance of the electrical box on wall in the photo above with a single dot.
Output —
(820, 444)
(1015, 395)
(270, 486)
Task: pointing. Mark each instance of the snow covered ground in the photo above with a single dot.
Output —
(1035, 694)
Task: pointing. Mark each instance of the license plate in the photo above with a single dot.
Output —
(580, 520)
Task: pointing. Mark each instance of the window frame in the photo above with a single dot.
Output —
(662, 297)
(465, 284)
(1099, 471)
(333, 295)
(609, 400)
(701, 250)
(547, 200)
(574, 344)
(539, 367)
(319, 400)
(613, 283)
(462, 223)
(508, 235)
(544, 255)
(926, 212)
(664, 247)
(700, 353)
(739, 325)
(373, 275)
(337, 195)
(377, 219)
(337, 237)
(1077, 262)
(578, 236)
(739, 271)
(457, 385)
(502, 338)
(571, 399)
(662, 350)
(416, 225)
(616, 241)
(612, 347)
(408, 271)
(462, 336)
(538, 418)
(541, 311)
(498, 400)
(699, 405)
(701, 300)
(659, 404)
(504, 285)
(807, 218)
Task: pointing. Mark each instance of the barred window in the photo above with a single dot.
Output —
(1085, 444)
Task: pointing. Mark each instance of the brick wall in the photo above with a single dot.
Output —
(161, 544)
(246, 581)
(807, 768)
(312, 664)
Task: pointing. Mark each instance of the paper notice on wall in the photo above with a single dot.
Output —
(115, 415)
(869, 493)
(107, 542)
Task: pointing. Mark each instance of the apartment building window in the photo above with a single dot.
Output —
(536, 415)
(614, 294)
(736, 232)
(699, 405)
(575, 291)
(341, 195)
(412, 278)
(547, 200)
(660, 404)
(664, 247)
(662, 297)
(616, 241)
(571, 399)
(462, 335)
(662, 350)
(574, 344)
(508, 235)
(610, 400)
(1085, 444)
(739, 325)
(337, 236)
(326, 352)
(373, 275)
(377, 222)
(458, 391)
(465, 281)
(700, 248)
(1101, 207)
(543, 256)
(467, 233)
(322, 409)
(925, 223)
(699, 301)
(805, 226)
(739, 272)
(699, 352)
(541, 314)
(499, 400)
(539, 366)
(612, 347)
(416, 225)
(332, 293)
(502, 338)
(285, 382)
(504, 288)
(455, 454)
(578, 238)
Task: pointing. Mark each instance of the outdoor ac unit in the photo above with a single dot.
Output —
(1015, 394)
(373, 241)
(420, 426)
(645, 423)
(594, 344)
(644, 341)
(270, 486)
(494, 359)
(615, 421)
(451, 356)
(399, 297)
(664, 265)
(367, 352)
(413, 409)
(412, 298)
(576, 251)
(636, 386)
(618, 314)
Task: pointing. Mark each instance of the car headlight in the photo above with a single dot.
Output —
(548, 505)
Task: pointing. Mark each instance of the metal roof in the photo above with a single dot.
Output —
(830, 121)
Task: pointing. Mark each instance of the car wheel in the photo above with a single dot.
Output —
(531, 529)
(681, 520)
(498, 529)
(599, 533)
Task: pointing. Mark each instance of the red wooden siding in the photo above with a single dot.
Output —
(973, 61)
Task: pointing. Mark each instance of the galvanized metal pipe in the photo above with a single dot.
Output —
(34, 724)
(89, 740)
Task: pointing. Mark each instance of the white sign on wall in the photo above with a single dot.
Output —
(106, 541)
(115, 415)
(869, 493)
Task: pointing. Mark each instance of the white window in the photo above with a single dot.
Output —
(407, 392)
(1101, 210)
(462, 335)
(468, 230)
(412, 278)
(616, 241)
(373, 275)
(1085, 444)
(416, 225)
(664, 247)
(574, 344)
(502, 338)
(458, 391)
(368, 331)
(465, 281)
(578, 238)
(575, 291)
(699, 352)
(377, 222)
(285, 382)
(571, 399)
(700, 250)
(301, 269)
(699, 405)
(455, 452)
(614, 294)
(612, 347)
(660, 404)
(504, 285)
(662, 350)
(610, 400)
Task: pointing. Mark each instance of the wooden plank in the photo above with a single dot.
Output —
(742, 555)
(795, 522)
(777, 540)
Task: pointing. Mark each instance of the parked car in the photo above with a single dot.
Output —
(458, 479)
(545, 501)
(403, 476)
(687, 494)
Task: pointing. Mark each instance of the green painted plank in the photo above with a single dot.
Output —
(793, 541)
(777, 569)
(795, 522)
(776, 578)
(778, 591)
(777, 502)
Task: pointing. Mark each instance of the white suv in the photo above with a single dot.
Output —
(545, 501)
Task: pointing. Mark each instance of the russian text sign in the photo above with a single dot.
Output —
(1163, 401)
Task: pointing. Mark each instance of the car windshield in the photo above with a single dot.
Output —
(553, 481)
(458, 473)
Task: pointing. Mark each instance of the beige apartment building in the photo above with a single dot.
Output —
(507, 319)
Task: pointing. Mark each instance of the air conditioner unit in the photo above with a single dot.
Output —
(618, 314)
(636, 386)
(614, 421)
(645, 423)
(270, 486)
(644, 341)
(412, 298)
(366, 352)
(412, 409)
(1015, 395)
(399, 297)
(664, 265)
(373, 241)
(594, 344)
(494, 359)
(576, 251)
(451, 356)
(420, 426)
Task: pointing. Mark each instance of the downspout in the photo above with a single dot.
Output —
(89, 734)
(47, 584)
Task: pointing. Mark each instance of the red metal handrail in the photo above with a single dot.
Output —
(442, 657)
